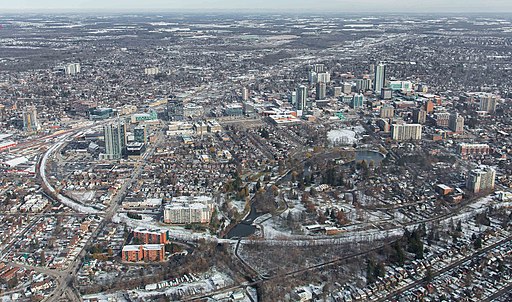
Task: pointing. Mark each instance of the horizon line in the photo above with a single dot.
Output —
(238, 11)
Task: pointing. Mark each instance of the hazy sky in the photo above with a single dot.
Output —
(305, 6)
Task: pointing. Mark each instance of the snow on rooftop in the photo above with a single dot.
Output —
(16, 161)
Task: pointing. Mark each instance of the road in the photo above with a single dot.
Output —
(19, 235)
(505, 290)
(66, 277)
(445, 269)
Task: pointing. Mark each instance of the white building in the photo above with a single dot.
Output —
(72, 68)
(189, 209)
(481, 179)
(406, 132)
(187, 213)
(151, 71)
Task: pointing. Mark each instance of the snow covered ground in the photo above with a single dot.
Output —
(184, 287)
(175, 231)
(342, 137)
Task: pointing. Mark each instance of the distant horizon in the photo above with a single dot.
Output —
(263, 6)
(243, 12)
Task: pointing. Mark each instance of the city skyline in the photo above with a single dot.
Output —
(338, 6)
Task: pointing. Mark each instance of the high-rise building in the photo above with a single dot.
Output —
(72, 68)
(372, 70)
(380, 77)
(140, 134)
(319, 68)
(145, 252)
(321, 91)
(466, 149)
(488, 103)
(245, 94)
(175, 110)
(419, 116)
(151, 236)
(323, 77)
(312, 77)
(442, 119)
(386, 93)
(187, 213)
(383, 125)
(347, 88)
(2, 113)
(481, 179)
(400, 86)
(401, 132)
(456, 123)
(115, 140)
(387, 112)
(357, 101)
(429, 106)
(151, 71)
(302, 97)
(293, 98)
(338, 91)
(30, 122)
(363, 84)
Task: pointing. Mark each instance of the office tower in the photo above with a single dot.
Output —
(140, 134)
(175, 110)
(442, 119)
(481, 179)
(401, 132)
(302, 97)
(357, 101)
(419, 116)
(115, 140)
(293, 98)
(429, 106)
(386, 93)
(319, 68)
(321, 89)
(30, 122)
(380, 77)
(400, 85)
(363, 84)
(323, 77)
(456, 123)
(338, 91)
(347, 88)
(72, 68)
(488, 103)
(383, 125)
(245, 94)
(151, 71)
(312, 77)
(387, 112)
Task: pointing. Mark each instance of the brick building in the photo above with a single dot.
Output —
(151, 236)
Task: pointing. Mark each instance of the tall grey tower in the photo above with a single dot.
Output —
(380, 77)
(115, 140)
(30, 122)
(302, 96)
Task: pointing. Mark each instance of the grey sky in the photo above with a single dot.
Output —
(417, 6)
